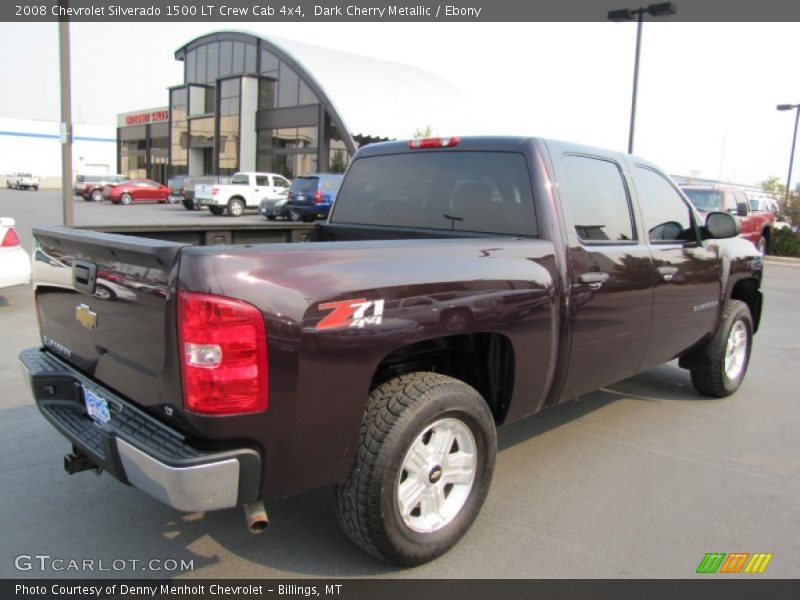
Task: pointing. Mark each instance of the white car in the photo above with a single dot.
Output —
(22, 181)
(246, 190)
(15, 264)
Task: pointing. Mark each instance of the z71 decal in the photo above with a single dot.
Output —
(351, 313)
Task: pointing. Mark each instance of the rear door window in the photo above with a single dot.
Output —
(483, 192)
(596, 193)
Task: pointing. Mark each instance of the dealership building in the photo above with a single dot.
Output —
(248, 103)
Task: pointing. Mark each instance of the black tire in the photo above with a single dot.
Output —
(712, 379)
(216, 210)
(235, 207)
(97, 195)
(126, 199)
(307, 219)
(271, 217)
(188, 205)
(293, 215)
(399, 413)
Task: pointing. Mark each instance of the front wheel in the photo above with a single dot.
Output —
(727, 354)
(97, 195)
(424, 463)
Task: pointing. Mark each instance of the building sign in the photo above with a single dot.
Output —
(144, 117)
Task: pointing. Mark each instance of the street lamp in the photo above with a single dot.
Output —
(661, 9)
(796, 107)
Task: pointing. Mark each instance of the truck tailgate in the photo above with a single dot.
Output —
(106, 305)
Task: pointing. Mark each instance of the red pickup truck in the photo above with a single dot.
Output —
(458, 285)
(754, 225)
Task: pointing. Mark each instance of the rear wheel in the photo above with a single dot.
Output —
(97, 195)
(126, 199)
(727, 354)
(294, 215)
(424, 462)
(270, 217)
(235, 207)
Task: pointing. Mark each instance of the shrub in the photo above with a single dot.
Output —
(784, 242)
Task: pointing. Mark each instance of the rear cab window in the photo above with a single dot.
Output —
(470, 191)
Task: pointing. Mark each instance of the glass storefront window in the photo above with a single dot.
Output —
(238, 57)
(269, 62)
(191, 61)
(202, 53)
(228, 144)
(201, 132)
(212, 63)
(225, 56)
(306, 95)
(266, 94)
(288, 87)
(159, 152)
(250, 59)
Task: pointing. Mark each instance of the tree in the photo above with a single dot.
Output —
(425, 132)
(338, 164)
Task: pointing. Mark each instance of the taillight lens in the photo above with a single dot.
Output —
(318, 197)
(214, 191)
(433, 142)
(223, 345)
(10, 239)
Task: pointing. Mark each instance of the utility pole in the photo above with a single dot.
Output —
(66, 118)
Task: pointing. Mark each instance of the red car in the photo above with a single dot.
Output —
(137, 190)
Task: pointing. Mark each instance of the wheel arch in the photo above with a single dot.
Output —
(747, 290)
(483, 360)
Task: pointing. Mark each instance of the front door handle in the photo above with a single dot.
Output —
(594, 279)
(667, 273)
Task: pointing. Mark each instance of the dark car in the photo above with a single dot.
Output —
(90, 187)
(137, 190)
(311, 197)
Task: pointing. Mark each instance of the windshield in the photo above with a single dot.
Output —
(705, 200)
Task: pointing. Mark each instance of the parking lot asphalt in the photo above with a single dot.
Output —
(638, 480)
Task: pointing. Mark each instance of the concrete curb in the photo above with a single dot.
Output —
(782, 260)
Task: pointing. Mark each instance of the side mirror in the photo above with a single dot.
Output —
(720, 225)
(741, 209)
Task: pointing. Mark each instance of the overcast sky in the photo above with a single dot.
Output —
(707, 92)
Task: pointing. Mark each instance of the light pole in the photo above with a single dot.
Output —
(661, 9)
(796, 108)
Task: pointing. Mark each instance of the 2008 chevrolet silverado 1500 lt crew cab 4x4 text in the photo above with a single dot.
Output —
(459, 284)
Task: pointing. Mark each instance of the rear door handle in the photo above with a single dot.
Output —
(594, 279)
(667, 273)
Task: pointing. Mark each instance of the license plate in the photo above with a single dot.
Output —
(300, 197)
(96, 406)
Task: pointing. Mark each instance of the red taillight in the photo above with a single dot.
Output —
(223, 346)
(433, 142)
(214, 191)
(318, 197)
(10, 239)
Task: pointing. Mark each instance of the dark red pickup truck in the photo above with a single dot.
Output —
(754, 225)
(459, 284)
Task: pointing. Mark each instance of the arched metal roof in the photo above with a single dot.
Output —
(364, 96)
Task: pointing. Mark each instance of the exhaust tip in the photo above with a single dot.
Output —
(256, 516)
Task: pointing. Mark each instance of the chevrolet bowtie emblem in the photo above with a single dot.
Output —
(85, 316)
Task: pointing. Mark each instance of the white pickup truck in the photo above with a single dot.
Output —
(246, 190)
(22, 181)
